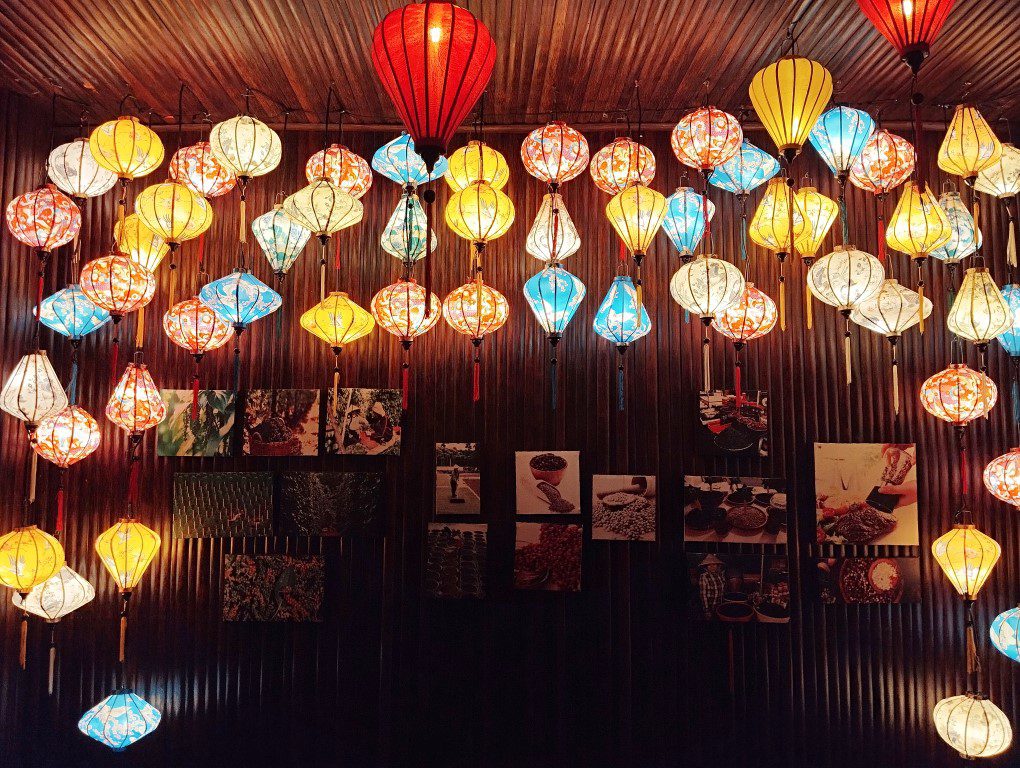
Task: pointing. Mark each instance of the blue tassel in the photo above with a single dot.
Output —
(1016, 400)
(843, 219)
(619, 388)
(552, 373)
(743, 240)
(72, 387)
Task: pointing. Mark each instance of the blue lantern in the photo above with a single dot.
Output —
(240, 298)
(621, 319)
(118, 721)
(554, 296)
(404, 235)
(1010, 340)
(281, 238)
(685, 220)
(749, 168)
(839, 136)
(1005, 633)
(965, 239)
(398, 162)
(71, 313)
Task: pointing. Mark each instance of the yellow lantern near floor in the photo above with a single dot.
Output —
(980, 311)
(174, 211)
(788, 97)
(820, 212)
(126, 147)
(967, 557)
(28, 556)
(126, 549)
(337, 321)
(476, 162)
(970, 145)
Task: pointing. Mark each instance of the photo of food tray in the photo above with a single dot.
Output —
(456, 560)
(736, 510)
(728, 427)
(869, 580)
(623, 507)
(547, 556)
(739, 589)
(866, 493)
(548, 483)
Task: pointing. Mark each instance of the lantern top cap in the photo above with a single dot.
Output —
(976, 269)
(338, 293)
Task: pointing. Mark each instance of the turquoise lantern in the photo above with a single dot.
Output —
(404, 235)
(554, 296)
(748, 169)
(1010, 341)
(119, 720)
(1005, 633)
(965, 239)
(839, 136)
(71, 313)
(685, 220)
(397, 161)
(281, 239)
(621, 319)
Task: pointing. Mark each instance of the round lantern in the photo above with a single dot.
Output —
(1002, 477)
(117, 284)
(820, 214)
(636, 214)
(685, 220)
(476, 162)
(245, 146)
(240, 299)
(322, 208)
(970, 144)
(337, 321)
(554, 296)
(397, 161)
(71, 313)
(706, 138)
(28, 556)
(910, 25)
(126, 147)
(43, 219)
(434, 59)
(119, 720)
(750, 317)
(479, 213)
(61, 594)
(964, 239)
(980, 312)
(75, 171)
(67, 437)
(749, 168)
(553, 236)
(198, 169)
(135, 404)
(788, 97)
(193, 326)
(475, 310)
(342, 168)
(174, 212)
(400, 309)
(845, 277)
(967, 557)
(973, 726)
(555, 153)
(620, 164)
(1005, 633)
(280, 237)
(1002, 178)
(706, 286)
(958, 394)
(126, 549)
(840, 136)
(404, 234)
(886, 161)
(140, 243)
(33, 390)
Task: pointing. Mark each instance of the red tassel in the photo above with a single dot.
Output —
(39, 294)
(881, 241)
(736, 384)
(623, 252)
(476, 380)
(113, 360)
(194, 397)
(963, 473)
(60, 508)
(429, 197)
(404, 378)
(336, 254)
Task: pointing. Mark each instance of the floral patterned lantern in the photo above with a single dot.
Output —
(749, 168)
(621, 319)
(193, 326)
(886, 161)
(476, 162)
(554, 296)
(173, 211)
(820, 213)
(240, 299)
(404, 234)
(43, 219)
(61, 594)
(281, 239)
(553, 237)
(778, 224)
(136, 404)
(338, 321)
(140, 243)
(479, 213)
(1002, 178)
(75, 171)
(685, 220)
(33, 391)
(958, 395)
(397, 161)
(620, 164)
(199, 169)
(400, 309)
(126, 147)
(342, 168)
(636, 214)
(119, 720)
(28, 556)
(910, 25)
(323, 209)
(1010, 341)
(246, 147)
(555, 153)
(67, 437)
(1002, 477)
(967, 557)
(980, 311)
(1005, 633)
(71, 313)
(750, 317)
(476, 310)
(840, 136)
(973, 726)
(117, 284)
(970, 144)
(126, 549)
(964, 239)
(706, 138)
(788, 97)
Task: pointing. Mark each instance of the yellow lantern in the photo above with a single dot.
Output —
(980, 311)
(337, 321)
(970, 145)
(28, 556)
(476, 162)
(636, 214)
(789, 96)
(779, 225)
(126, 549)
(967, 557)
(143, 246)
(479, 213)
(173, 211)
(820, 213)
(126, 147)
(973, 726)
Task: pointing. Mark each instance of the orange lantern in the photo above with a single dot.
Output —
(117, 284)
(400, 309)
(43, 219)
(555, 153)
(198, 168)
(67, 437)
(1002, 477)
(476, 310)
(751, 317)
(706, 138)
(620, 164)
(193, 326)
(135, 404)
(342, 168)
(958, 395)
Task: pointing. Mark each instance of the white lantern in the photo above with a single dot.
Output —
(323, 208)
(553, 236)
(59, 595)
(1002, 178)
(980, 311)
(973, 726)
(33, 391)
(246, 146)
(75, 171)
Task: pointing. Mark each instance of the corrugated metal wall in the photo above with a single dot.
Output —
(618, 675)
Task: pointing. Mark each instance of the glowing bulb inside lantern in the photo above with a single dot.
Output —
(908, 9)
(435, 34)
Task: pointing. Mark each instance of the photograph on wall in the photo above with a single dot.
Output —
(548, 483)
(330, 503)
(740, 589)
(281, 422)
(547, 556)
(179, 434)
(727, 427)
(735, 510)
(869, 580)
(866, 493)
(458, 485)
(222, 504)
(623, 507)
(365, 422)
(273, 588)
(456, 560)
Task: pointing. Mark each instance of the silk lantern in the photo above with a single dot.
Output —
(404, 235)
(476, 310)
(33, 390)
(28, 556)
(885, 162)
(117, 284)
(476, 162)
(399, 308)
(973, 726)
(74, 170)
(126, 147)
(434, 60)
(43, 219)
(967, 557)
(685, 220)
(342, 168)
(1001, 477)
(1005, 633)
(338, 321)
(71, 313)
(193, 326)
(246, 147)
(622, 320)
(323, 209)
(958, 394)
(66, 437)
(964, 239)
(240, 299)
(1002, 180)
(970, 144)
(840, 136)
(706, 138)
(980, 311)
(555, 153)
(910, 25)
(750, 317)
(620, 164)
(636, 214)
(126, 549)
(778, 224)
(788, 97)
(479, 213)
(554, 295)
(137, 241)
(1010, 341)
(397, 161)
(820, 214)
(746, 170)
(174, 211)
(553, 236)
(119, 720)
(136, 404)
(201, 171)
(281, 239)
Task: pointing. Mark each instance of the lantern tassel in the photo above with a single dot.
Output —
(920, 307)
(23, 638)
(782, 303)
(60, 502)
(194, 395)
(1015, 389)
(123, 625)
(552, 381)
(72, 385)
(336, 374)
(428, 197)
(706, 364)
(842, 211)
(53, 659)
(743, 227)
(846, 348)
(237, 358)
(140, 328)
(404, 384)
(173, 278)
(1011, 244)
(114, 354)
(738, 391)
(322, 267)
(620, 397)
(895, 379)
(809, 315)
(476, 371)
(881, 232)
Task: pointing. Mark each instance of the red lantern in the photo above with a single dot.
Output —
(193, 326)
(44, 218)
(67, 437)
(400, 309)
(706, 138)
(910, 25)
(753, 316)
(555, 153)
(135, 404)
(434, 60)
(198, 168)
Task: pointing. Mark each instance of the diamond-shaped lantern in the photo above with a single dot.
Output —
(119, 720)
(33, 390)
(136, 404)
(397, 161)
(281, 239)
(71, 313)
(553, 236)
(404, 234)
(964, 240)
(622, 320)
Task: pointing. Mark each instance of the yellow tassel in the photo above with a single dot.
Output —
(123, 637)
(782, 305)
(896, 388)
(140, 328)
(23, 645)
(920, 307)
(846, 358)
(242, 232)
(808, 314)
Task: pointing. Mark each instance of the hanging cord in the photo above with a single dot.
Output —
(893, 342)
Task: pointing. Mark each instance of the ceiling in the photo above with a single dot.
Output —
(582, 55)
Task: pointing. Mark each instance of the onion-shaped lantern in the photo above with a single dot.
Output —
(434, 60)
(1005, 633)
(136, 404)
(788, 97)
(397, 161)
(126, 147)
(964, 239)
(43, 219)
(973, 726)
(706, 138)
(281, 239)
(323, 209)
(33, 391)
(891, 312)
(240, 298)
(967, 557)
(621, 164)
(820, 213)
(553, 237)
(1002, 477)
(980, 311)
(338, 321)
(126, 549)
(404, 234)
(63, 593)
(958, 395)
(886, 161)
(555, 153)
(554, 296)
(75, 171)
(201, 171)
(476, 310)
(636, 214)
(840, 136)
(28, 556)
(173, 211)
(119, 720)
(476, 162)
(621, 319)
(685, 220)
(750, 317)
(67, 437)
(970, 144)
(117, 284)
(400, 309)
(748, 169)
(778, 224)
(71, 313)
(910, 25)
(1002, 178)
(479, 213)
(139, 242)
(193, 326)
(342, 168)
(246, 147)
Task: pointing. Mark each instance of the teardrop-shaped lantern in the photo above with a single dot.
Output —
(75, 171)
(67, 437)
(973, 726)
(280, 237)
(621, 164)
(967, 557)
(685, 222)
(820, 213)
(404, 234)
(201, 171)
(706, 138)
(1002, 178)
(964, 239)
(980, 311)
(958, 394)
(117, 284)
(771, 226)
(136, 404)
(788, 97)
(43, 219)
(749, 168)
(886, 161)
(1002, 477)
(119, 720)
(476, 162)
(28, 556)
(555, 153)
(910, 25)
(970, 144)
(71, 313)
(323, 209)
(636, 214)
(344, 169)
(245, 146)
(554, 296)
(553, 236)
(240, 298)
(434, 60)
(33, 390)
(840, 136)
(397, 161)
(61, 594)
(919, 224)
(479, 213)
(139, 242)
(750, 317)
(126, 147)
(173, 211)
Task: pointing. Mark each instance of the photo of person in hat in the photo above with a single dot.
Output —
(711, 584)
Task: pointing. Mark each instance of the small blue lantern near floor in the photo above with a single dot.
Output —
(1010, 341)
(554, 296)
(119, 720)
(1005, 633)
(621, 320)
